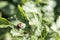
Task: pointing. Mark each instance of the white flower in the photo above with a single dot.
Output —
(52, 3)
(30, 7)
(58, 22)
(15, 33)
(37, 32)
(54, 27)
(33, 22)
(47, 8)
(52, 38)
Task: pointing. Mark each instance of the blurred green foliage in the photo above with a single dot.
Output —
(40, 19)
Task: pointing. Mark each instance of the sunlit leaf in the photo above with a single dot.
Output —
(3, 4)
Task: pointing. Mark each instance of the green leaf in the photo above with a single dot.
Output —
(8, 36)
(32, 37)
(0, 14)
(21, 11)
(3, 4)
(21, 16)
(4, 21)
(23, 1)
